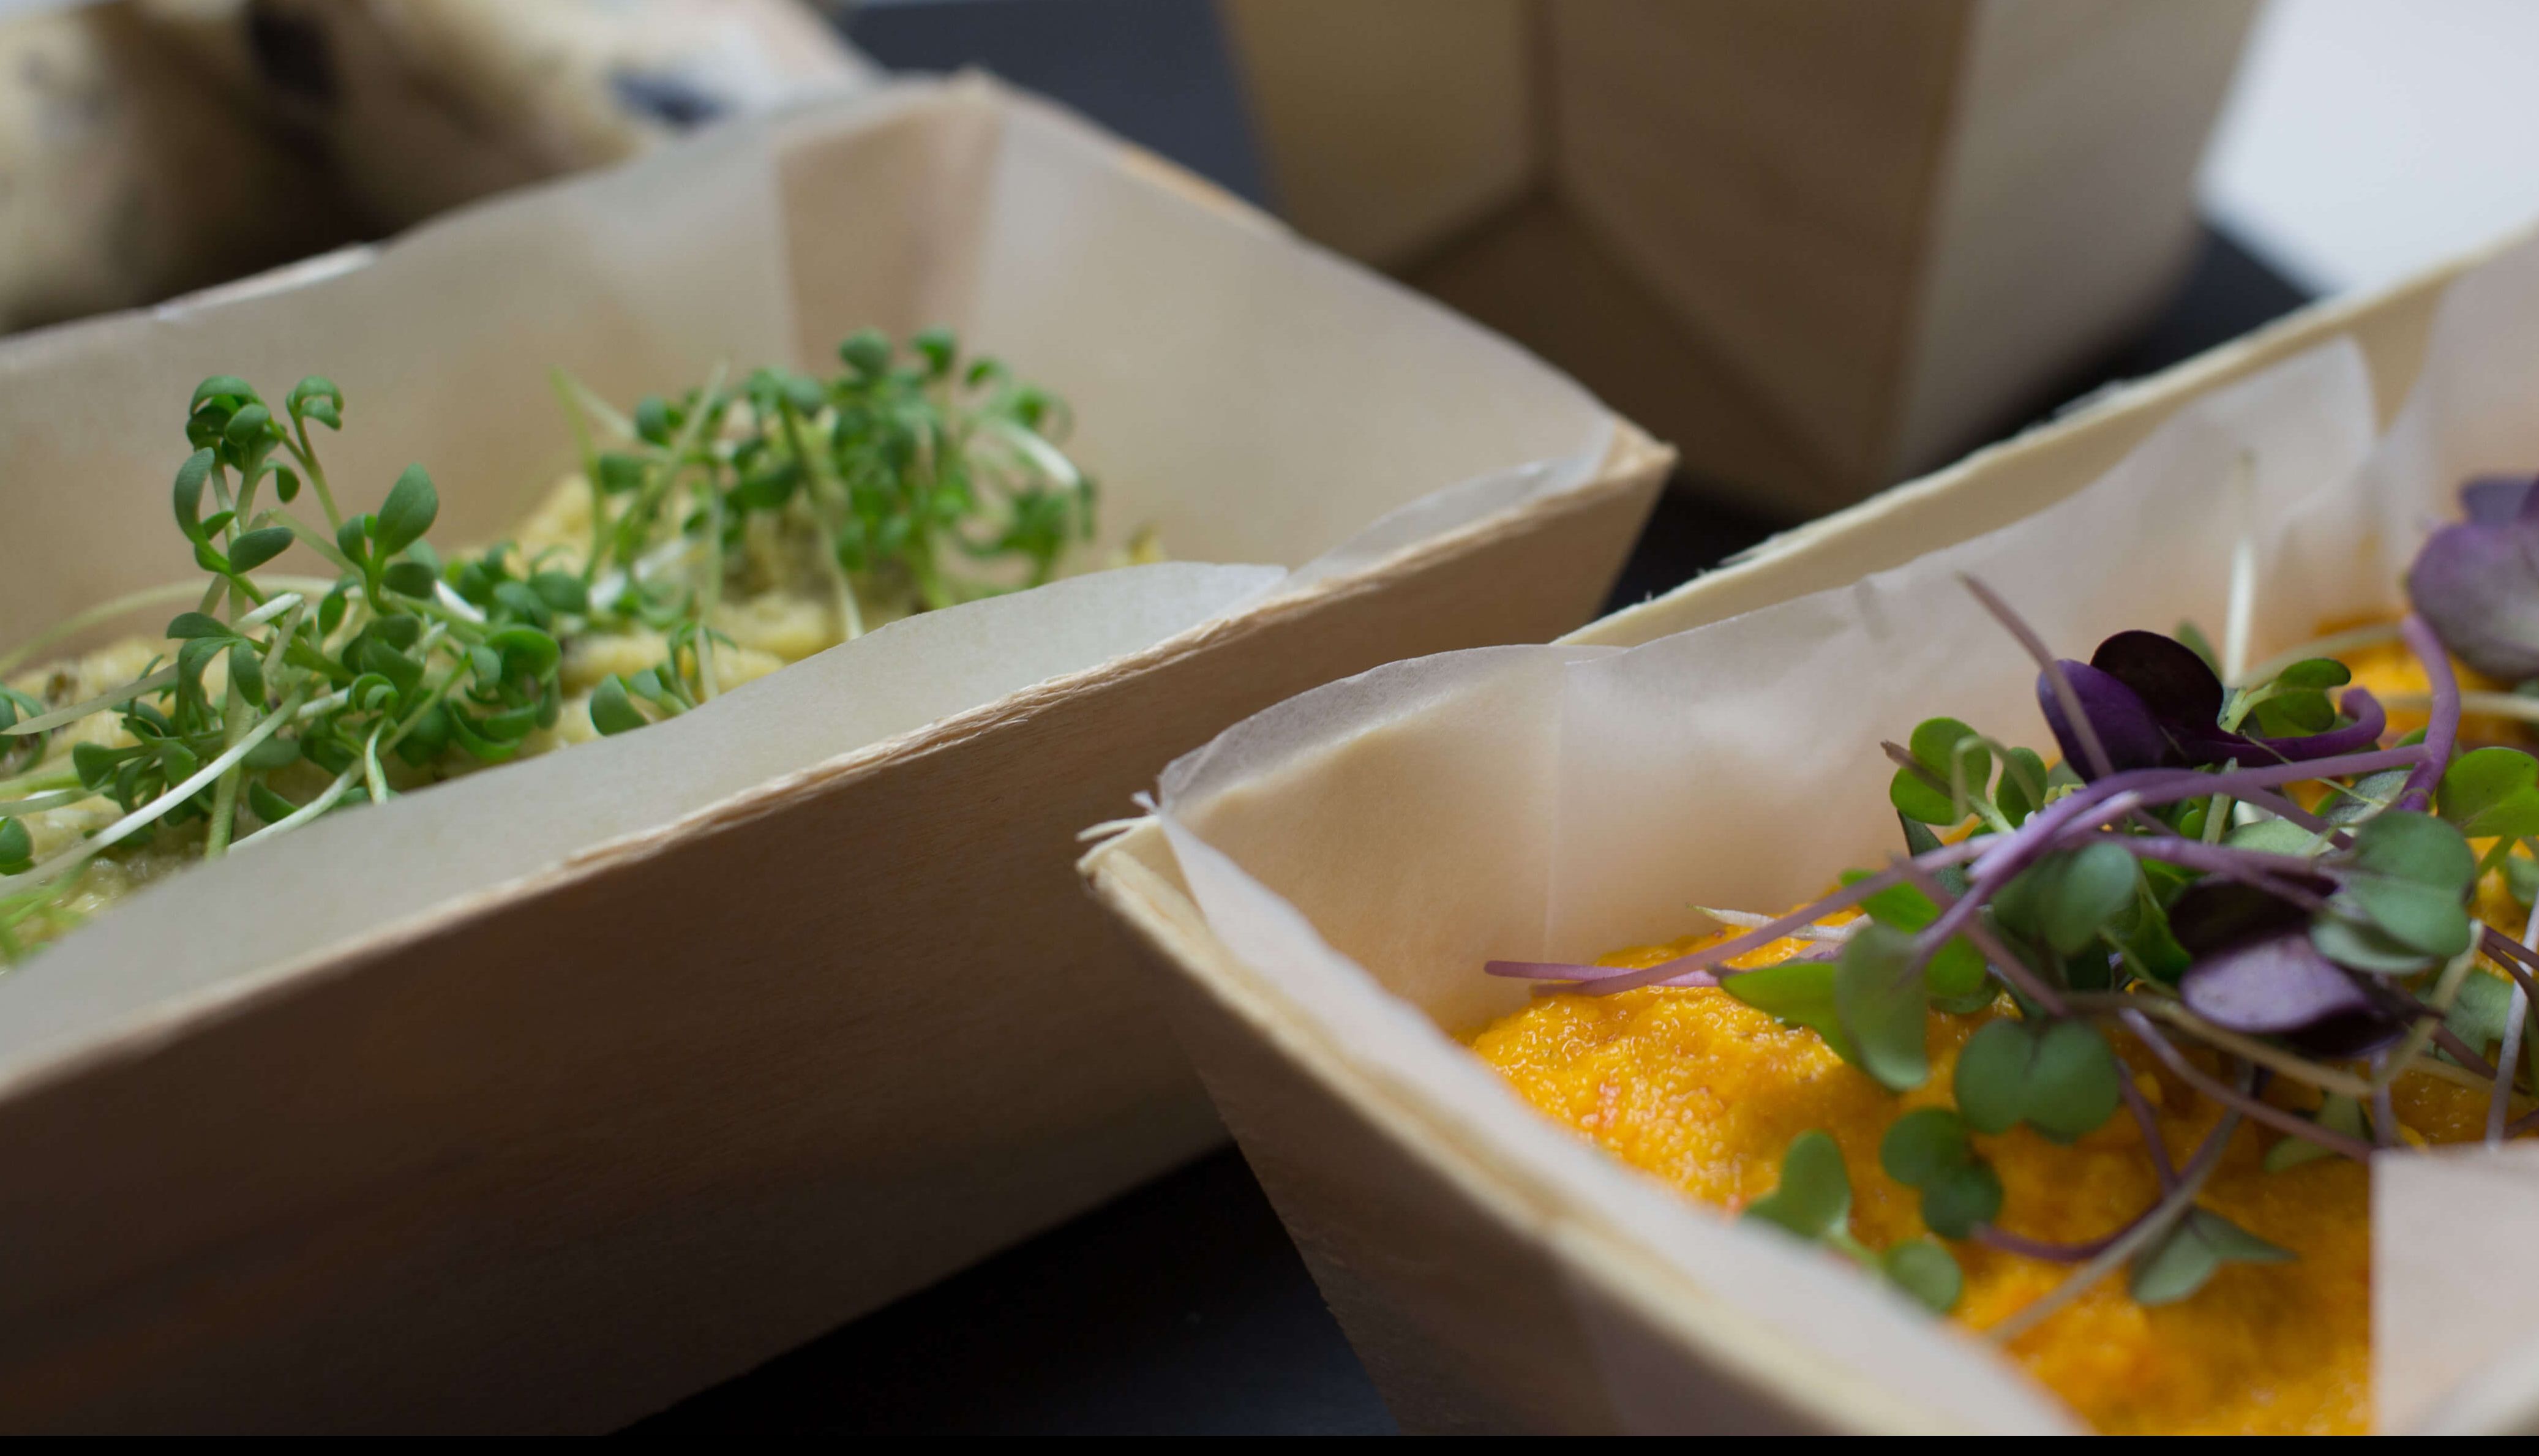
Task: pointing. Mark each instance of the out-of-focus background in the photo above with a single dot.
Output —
(1819, 245)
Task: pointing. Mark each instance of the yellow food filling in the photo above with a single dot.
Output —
(1706, 1093)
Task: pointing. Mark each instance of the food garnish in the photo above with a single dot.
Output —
(2227, 870)
(907, 481)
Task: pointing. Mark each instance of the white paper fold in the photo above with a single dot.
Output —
(2453, 1264)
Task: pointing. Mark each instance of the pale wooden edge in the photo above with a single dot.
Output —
(1133, 875)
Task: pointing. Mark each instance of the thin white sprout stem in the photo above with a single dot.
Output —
(1746, 920)
(2487, 705)
(326, 801)
(77, 711)
(458, 606)
(130, 602)
(2240, 620)
(280, 603)
(42, 802)
(2335, 643)
(123, 828)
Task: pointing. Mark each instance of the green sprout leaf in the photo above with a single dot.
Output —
(1924, 1144)
(16, 848)
(2182, 1260)
(610, 711)
(2408, 879)
(1884, 1004)
(1813, 1196)
(409, 579)
(190, 479)
(2492, 791)
(408, 512)
(257, 547)
(2522, 879)
(2089, 888)
(2022, 786)
(1958, 971)
(1946, 748)
(268, 805)
(1800, 992)
(2271, 836)
(2337, 1114)
(938, 347)
(2367, 797)
(2060, 1077)
(2366, 948)
(867, 352)
(1926, 1273)
(2143, 933)
(1928, 1149)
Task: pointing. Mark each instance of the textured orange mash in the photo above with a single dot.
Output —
(1707, 1093)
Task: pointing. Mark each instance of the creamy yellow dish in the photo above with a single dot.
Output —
(1706, 1093)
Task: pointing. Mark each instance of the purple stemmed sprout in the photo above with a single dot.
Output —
(2157, 703)
(2323, 945)
(2476, 583)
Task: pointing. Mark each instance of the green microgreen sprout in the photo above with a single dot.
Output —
(919, 481)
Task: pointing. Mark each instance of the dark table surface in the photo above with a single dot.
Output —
(1181, 1307)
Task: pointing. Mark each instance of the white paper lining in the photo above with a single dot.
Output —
(1254, 397)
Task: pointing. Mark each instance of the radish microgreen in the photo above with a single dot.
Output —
(2163, 885)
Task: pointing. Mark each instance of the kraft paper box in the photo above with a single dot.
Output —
(1322, 882)
(1819, 245)
(556, 1093)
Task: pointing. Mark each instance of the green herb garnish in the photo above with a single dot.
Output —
(909, 481)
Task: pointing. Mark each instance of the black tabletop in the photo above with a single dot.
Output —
(1181, 1307)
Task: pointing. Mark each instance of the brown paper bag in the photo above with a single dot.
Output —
(1820, 243)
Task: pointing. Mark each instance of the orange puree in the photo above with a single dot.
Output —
(1706, 1093)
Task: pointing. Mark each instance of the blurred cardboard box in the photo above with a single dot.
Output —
(1821, 244)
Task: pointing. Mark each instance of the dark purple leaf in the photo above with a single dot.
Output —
(2213, 915)
(2281, 986)
(2492, 499)
(2175, 683)
(2184, 699)
(2477, 585)
(2126, 729)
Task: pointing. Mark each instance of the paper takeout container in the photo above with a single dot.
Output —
(1821, 246)
(1322, 882)
(546, 1096)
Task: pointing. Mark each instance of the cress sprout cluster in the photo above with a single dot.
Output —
(919, 481)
